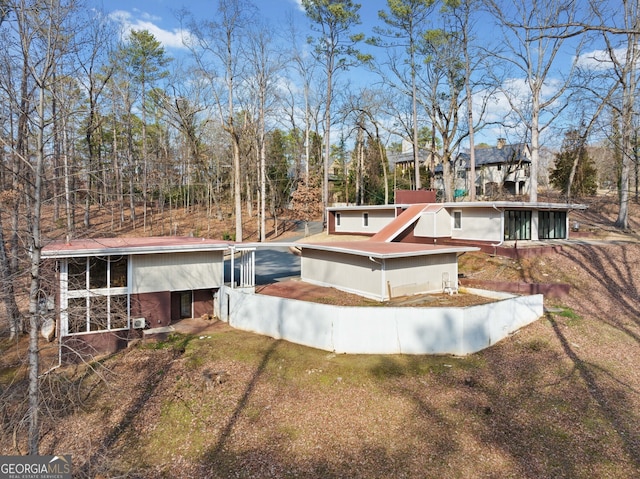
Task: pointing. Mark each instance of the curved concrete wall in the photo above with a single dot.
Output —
(378, 330)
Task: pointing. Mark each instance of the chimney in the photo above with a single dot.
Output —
(501, 143)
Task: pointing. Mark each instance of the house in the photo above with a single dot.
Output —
(381, 270)
(403, 162)
(500, 170)
(108, 288)
(488, 225)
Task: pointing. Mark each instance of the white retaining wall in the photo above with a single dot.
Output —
(378, 330)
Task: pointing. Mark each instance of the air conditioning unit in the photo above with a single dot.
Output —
(138, 323)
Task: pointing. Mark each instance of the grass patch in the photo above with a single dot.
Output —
(536, 345)
(175, 341)
(10, 375)
(179, 430)
(574, 319)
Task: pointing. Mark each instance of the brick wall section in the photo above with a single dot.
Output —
(549, 290)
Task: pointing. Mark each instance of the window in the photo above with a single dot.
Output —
(499, 167)
(517, 225)
(365, 219)
(96, 294)
(98, 272)
(552, 224)
(337, 219)
(457, 220)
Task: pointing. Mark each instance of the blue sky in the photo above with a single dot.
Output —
(159, 18)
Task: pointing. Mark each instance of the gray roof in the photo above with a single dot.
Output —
(495, 155)
(395, 158)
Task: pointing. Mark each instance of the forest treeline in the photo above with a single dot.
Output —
(251, 113)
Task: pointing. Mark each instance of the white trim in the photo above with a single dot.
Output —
(86, 294)
(83, 333)
(453, 220)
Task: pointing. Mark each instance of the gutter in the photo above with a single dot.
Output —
(383, 277)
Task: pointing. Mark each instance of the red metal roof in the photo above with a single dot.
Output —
(382, 249)
(403, 220)
(146, 245)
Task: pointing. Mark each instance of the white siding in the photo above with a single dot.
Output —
(419, 274)
(434, 225)
(176, 271)
(482, 224)
(352, 221)
(379, 279)
(351, 273)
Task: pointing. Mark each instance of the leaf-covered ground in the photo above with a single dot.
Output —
(558, 399)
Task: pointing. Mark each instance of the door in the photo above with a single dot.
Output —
(186, 301)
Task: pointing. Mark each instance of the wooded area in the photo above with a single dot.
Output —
(93, 116)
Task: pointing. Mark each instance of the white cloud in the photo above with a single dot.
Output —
(144, 21)
(299, 4)
(600, 60)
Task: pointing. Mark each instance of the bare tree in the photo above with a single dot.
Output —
(265, 63)
(335, 50)
(217, 44)
(304, 68)
(533, 57)
(619, 31)
(369, 107)
(462, 12)
(43, 32)
(92, 59)
(622, 55)
(406, 22)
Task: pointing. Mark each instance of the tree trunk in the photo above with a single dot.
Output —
(237, 196)
(16, 325)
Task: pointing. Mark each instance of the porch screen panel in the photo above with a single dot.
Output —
(118, 311)
(517, 225)
(77, 274)
(97, 298)
(552, 224)
(77, 315)
(98, 314)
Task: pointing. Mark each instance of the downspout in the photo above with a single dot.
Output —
(495, 246)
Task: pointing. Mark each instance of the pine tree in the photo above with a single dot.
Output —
(574, 173)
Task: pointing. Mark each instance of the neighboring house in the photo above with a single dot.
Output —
(109, 287)
(403, 162)
(500, 170)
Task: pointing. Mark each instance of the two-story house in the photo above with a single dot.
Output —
(501, 171)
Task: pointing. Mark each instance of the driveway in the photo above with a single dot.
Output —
(274, 261)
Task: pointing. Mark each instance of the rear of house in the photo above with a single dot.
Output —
(491, 223)
(107, 289)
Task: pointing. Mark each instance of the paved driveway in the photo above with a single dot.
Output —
(274, 261)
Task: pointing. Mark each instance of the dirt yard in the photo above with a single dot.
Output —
(296, 289)
(559, 399)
